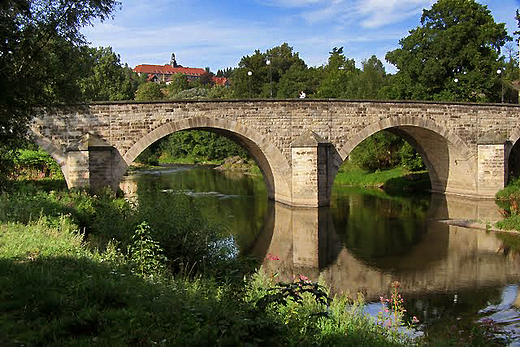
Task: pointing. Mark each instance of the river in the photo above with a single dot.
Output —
(449, 275)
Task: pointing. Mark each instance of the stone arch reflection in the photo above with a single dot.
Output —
(445, 258)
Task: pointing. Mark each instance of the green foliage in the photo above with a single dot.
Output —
(178, 83)
(295, 291)
(372, 79)
(339, 77)
(305, 323)
(453, 55)
(146, 255)
(40, 58)
(149, 92)
(7, 158)
(220, 92)
(197, 93)
(265, 78)
(187, 238)
(508, 199)
(409, 158)
(199, 144)
(377, 152)
(148, 156)
(105, 78)
(36, 164)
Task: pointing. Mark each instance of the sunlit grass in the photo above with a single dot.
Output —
(397, 179)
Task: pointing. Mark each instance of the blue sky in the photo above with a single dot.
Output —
(217, 34)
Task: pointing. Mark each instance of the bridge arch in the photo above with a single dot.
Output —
(513, 155)
(446, 156)
(273, 165)
(56, 153)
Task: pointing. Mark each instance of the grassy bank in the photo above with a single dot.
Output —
(508, 200)
(82, 270)
(397, 179)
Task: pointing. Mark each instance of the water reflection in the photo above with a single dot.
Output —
(425, 256)
(364, 241)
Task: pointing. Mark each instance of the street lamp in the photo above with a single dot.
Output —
(456, 80)
(499, 72)
(268, 62)
(249, 73)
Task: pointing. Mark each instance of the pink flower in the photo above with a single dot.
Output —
(272, 257)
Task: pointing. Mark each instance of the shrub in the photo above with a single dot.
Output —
(36, 164)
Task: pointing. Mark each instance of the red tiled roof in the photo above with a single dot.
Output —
(220, 80)
(168, 70)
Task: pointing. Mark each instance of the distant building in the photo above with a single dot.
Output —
(164, 73)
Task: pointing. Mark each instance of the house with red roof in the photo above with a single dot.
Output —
(163, 73)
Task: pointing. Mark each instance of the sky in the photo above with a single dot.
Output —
(218, 33)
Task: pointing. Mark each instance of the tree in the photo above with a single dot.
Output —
(338, 77)
(149, 91)
(225, 73)
(178, 83)
(39, 52)
(254, 77)
(250, 76)
(206, 79)
(220, 92)
(106, 79)
(297, 78)
(371, 79)
(453, 55)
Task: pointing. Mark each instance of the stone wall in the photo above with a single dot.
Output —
(445, 134)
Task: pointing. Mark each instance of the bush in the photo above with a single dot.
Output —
(383, 151)
(149, 91)
(508, 199)
(193, 93)
(36, 164)
(201, 144)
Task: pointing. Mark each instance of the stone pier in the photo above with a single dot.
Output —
(299, 145)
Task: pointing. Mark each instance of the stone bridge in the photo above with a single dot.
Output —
(299, 145)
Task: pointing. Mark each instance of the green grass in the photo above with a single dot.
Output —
(508, 199)
(166, 159)
(393, 180)
(59, 290)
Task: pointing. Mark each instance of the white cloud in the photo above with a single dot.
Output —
(290, 3)
(311, 27)
(383, 12)
(365, 13)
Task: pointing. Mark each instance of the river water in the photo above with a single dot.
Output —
(449, 275)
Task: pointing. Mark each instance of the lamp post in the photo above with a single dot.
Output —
(268, 62)
(456, 80)
(249, 73)
(499, 72)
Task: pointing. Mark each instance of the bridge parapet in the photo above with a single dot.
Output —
(446, 135)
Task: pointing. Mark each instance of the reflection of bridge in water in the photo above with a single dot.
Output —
(447, 258)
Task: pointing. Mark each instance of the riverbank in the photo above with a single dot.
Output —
(82, 294)
(235, 163)
(396, 180)
(84, 270)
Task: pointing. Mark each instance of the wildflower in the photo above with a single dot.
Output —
(415, 320)
(272, 257)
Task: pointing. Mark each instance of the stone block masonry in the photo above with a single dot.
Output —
(446, 135)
